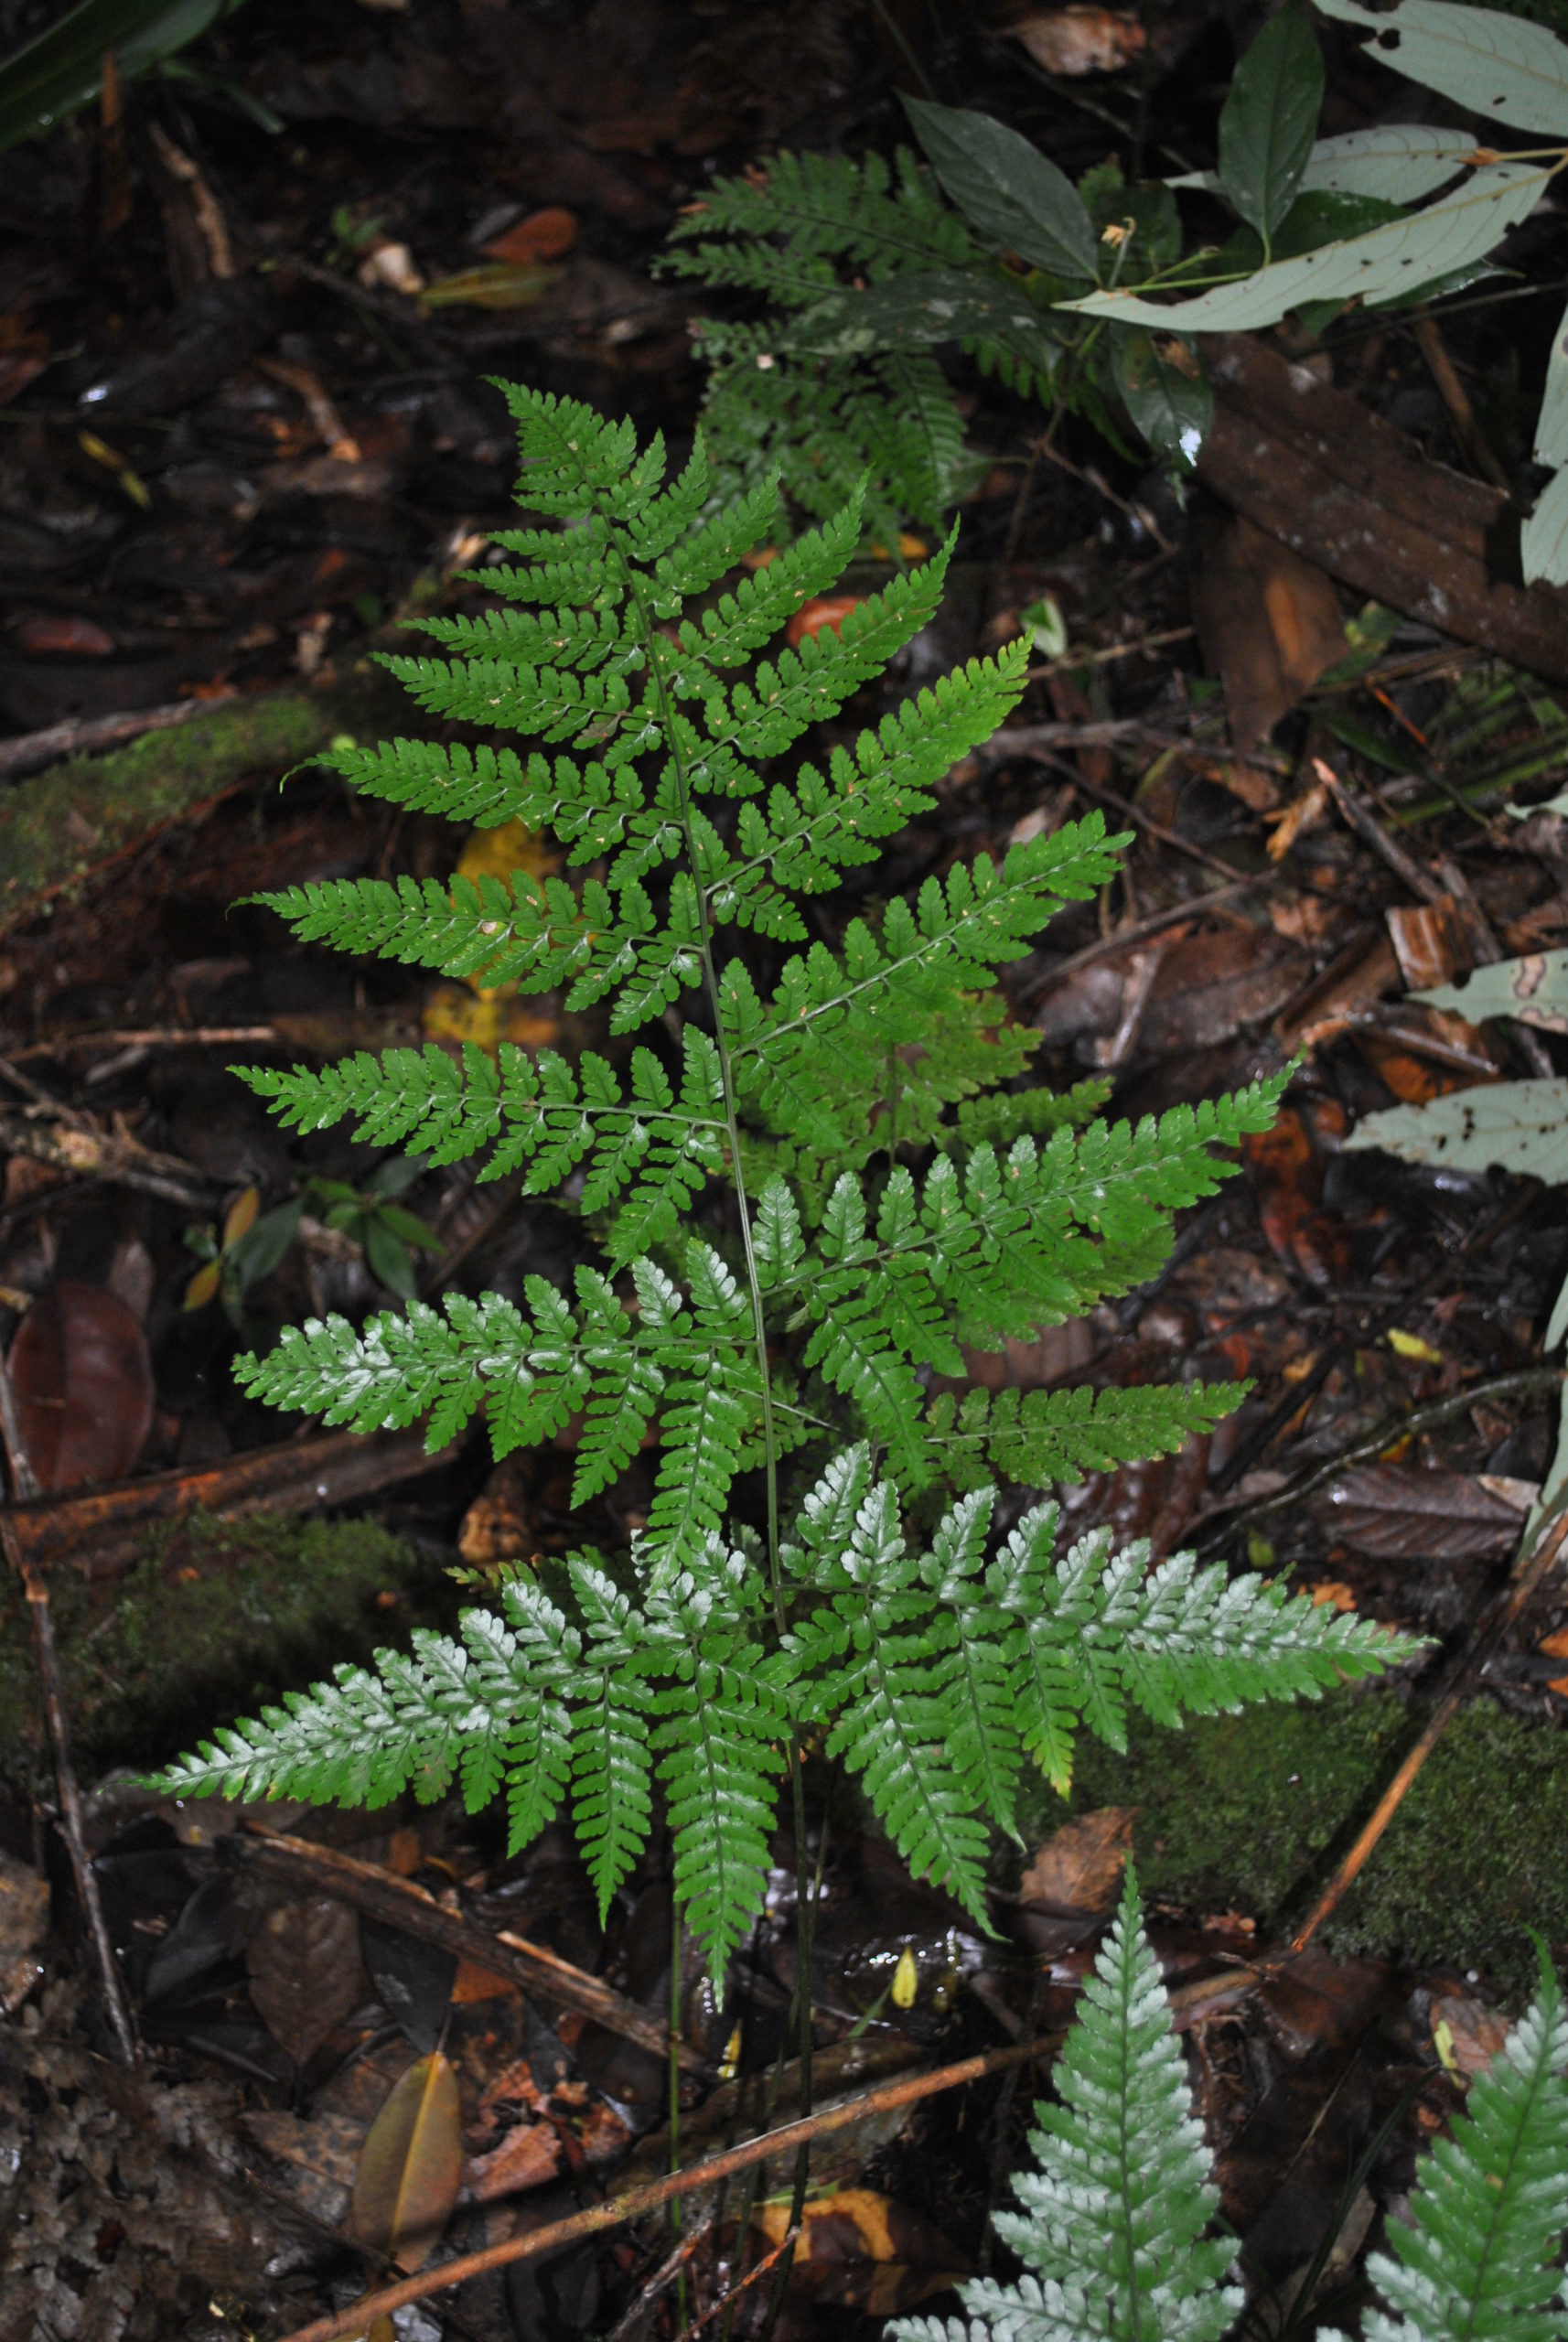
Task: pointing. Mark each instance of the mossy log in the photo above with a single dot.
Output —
(59, 828)
(215, 1618)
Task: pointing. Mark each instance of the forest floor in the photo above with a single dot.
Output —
(244, 429)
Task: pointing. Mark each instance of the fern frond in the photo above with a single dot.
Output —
(720, 1722)
(1487, 2215)
(611, 1797)
(867, 1657)
(484, 785)
(1035, 1437)
(1103, 1629)
(837, 1016)
(1110, 2229)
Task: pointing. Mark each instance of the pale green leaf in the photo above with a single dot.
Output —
(1268, 119)
(1502, 68)
(1505, 1125)
(1534, 990)
(1378, 266)
(1551, 425)
(1006, 188)
(1543, 539)
(1398, 161)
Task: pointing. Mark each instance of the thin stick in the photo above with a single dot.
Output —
(1535, 1562)
(397, 1903)
(82, 736)
(785, 2246)
(24, 1485)
(884, 2100)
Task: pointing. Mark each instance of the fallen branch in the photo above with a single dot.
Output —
(396, 1903)
(98, 1530)
(91, 735)
(597, 2218)
(1537, 1558)
(89, 1900)
(1317, 469)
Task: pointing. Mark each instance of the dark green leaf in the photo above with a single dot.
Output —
(1006, 188)
(935, 305)
(1268, 120)
(407, 1227)
(264, 1244)
(1166, 391)
(389, 1258)
(395, 1175)
(63, 68)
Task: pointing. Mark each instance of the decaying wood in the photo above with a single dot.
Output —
(1314, 468)
(98, 1532)
(380, 1895)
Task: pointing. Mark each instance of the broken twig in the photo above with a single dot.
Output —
(23, 1484)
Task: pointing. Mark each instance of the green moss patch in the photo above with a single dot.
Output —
(1250, 1811)
(215, 1618)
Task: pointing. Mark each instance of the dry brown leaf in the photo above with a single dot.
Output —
(1407, 1514)
(1429, 942)
(306, 1975)
(1074, 41)
(1080, 1866)
(1470, 2033)
(412, 2165)
(1268, 621)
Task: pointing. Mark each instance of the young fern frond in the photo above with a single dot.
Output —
(1110, 2229)
(809, 1192)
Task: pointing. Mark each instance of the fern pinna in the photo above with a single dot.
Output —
(1111, 2225)
(812, 1188)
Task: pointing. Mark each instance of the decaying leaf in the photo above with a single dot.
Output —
(304, 1970)
(1533, 989)
(1073, 41)
(1430, 946)
(412, 2165)
(23, 1923)
(1269, 623)
(1080, 1866)
(1403, 1514)
(83, 1380)
(860, 2250)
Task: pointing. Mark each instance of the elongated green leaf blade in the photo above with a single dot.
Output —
(1552, 426)
(1398, 161)
(1269, 116)
(1543, 539)
(1378, 267)
(63, 68)
(1513, 1125)
(1502, 68)
(1006, 188)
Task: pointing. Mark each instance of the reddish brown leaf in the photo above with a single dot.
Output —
(306, 1975)
(1074, 41)
(1403, 1514)
(1269, 623)
(544, 235)
(46, 635)
(1080, 1866)
(84, 1386)
(827, 609)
